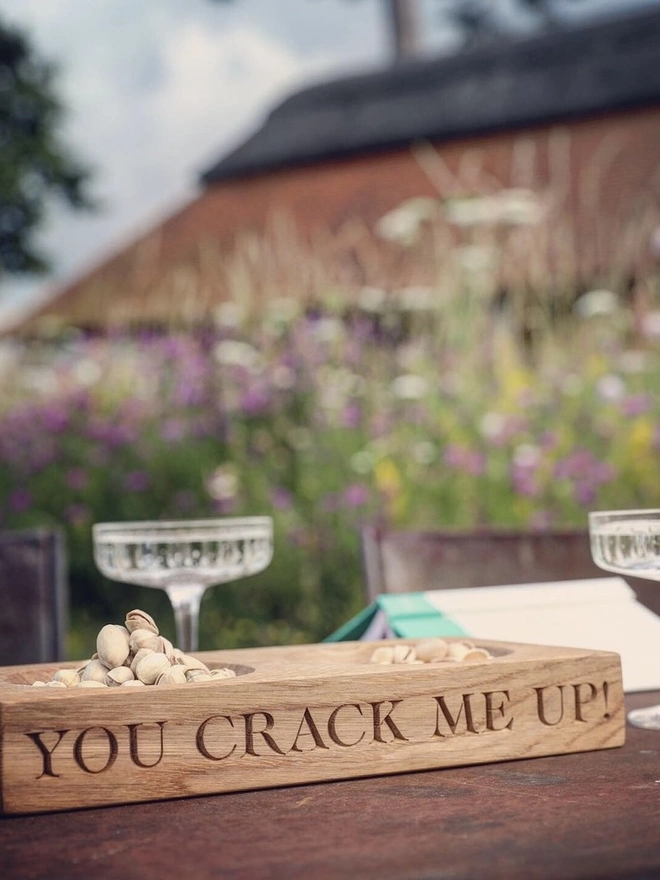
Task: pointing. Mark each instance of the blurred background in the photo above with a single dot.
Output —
(337, 261)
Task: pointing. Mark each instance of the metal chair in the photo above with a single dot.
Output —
(415, 561)
(34, 596)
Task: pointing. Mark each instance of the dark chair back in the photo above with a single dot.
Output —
(34, 596)
(415, 561)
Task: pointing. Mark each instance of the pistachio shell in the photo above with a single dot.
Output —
(383, 655)
(197, 675)
(69, 677)
(112, 645)
(137, 619)
(403, 654)
(90, 683)
(144, 638)
(138, 656)
(38, 684)
(167, 648)
(173, 675)
(118, 676)
(134, 682)
(191, 662)
(431, 650)
(222, 673)
(94, 671)
(55, 684)
(151, 666)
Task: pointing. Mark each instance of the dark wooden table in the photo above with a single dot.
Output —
(590, 815)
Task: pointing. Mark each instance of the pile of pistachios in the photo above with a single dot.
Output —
(429, 651)
(134, 655)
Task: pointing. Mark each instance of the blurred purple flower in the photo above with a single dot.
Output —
(351, 416)
(137, 481)
(20, 500)
(77, 479)
(255, 400)
(77, 514)
(173, 430)
(281, 498)
(461, 458)
(635, 404)
(355, 495)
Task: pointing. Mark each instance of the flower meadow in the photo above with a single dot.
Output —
(413, 416)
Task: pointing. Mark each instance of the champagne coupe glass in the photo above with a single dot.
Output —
(628, 542)
(183, 558)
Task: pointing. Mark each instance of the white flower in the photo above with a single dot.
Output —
(229, 314)
(651, 325)
(492, 425)
(410, 387)
(371, 299)
(283, 377)
(233, 352)
(596, 303)
(526, 455)
(223, 483)
(611, 387)
(403, 224)
(425, 452)
(363, 461)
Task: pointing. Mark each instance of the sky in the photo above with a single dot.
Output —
(157, 91)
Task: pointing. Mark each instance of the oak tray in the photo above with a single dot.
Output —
(298, 714)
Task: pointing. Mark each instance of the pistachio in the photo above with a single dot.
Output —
(222, 673)
(137, 619)
(144, 638)
(69, 677)
(173, 675)
(138, 656)
(134, 682)
(150, 667)
(118, 676)
(55, 684)
(167, 648)
(431, 650)
(38, 684)
(94, 671)
(90, 683)
(403, 654)
(191, 662)
(476, 654)
(193, 675)
(112, 645)
(383, 655)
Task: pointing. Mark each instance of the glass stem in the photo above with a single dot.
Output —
(186, 599)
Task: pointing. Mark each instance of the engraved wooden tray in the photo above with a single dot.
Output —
(298, 714)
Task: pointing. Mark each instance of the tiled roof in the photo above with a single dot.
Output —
(610, 65)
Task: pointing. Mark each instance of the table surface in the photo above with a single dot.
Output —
(589, 815)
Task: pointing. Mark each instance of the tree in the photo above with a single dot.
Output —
(475, 20)
(36, 166)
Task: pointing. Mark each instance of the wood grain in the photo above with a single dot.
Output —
(295, 715)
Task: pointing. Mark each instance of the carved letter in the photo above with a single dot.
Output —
(112, 750)
(201, 745)
(540, 704)
(133, 744)
(312, 728)
(45, 752)
(449, 718)
(332, 726)
(581, 701)
(249, 733)
(378, 721)
(491, 709)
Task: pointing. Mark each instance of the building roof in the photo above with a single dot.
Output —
(604, 66)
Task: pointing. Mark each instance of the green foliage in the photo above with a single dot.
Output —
(36, 165)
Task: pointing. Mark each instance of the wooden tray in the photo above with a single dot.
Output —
(298, 714)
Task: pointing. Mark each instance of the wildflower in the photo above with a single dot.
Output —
(222, 485)
(610, 388)
(461, 458)
(351, 416)
(137, 481)
(355, 495)
(77, 479)
(20, 500)
(281, 498)
(404, 223)
(409, 387)
(635, 404)
(596, 303)
(173, 430)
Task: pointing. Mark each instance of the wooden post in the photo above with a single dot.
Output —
(404, 28)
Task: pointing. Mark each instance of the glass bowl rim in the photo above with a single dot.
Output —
(234, 522)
